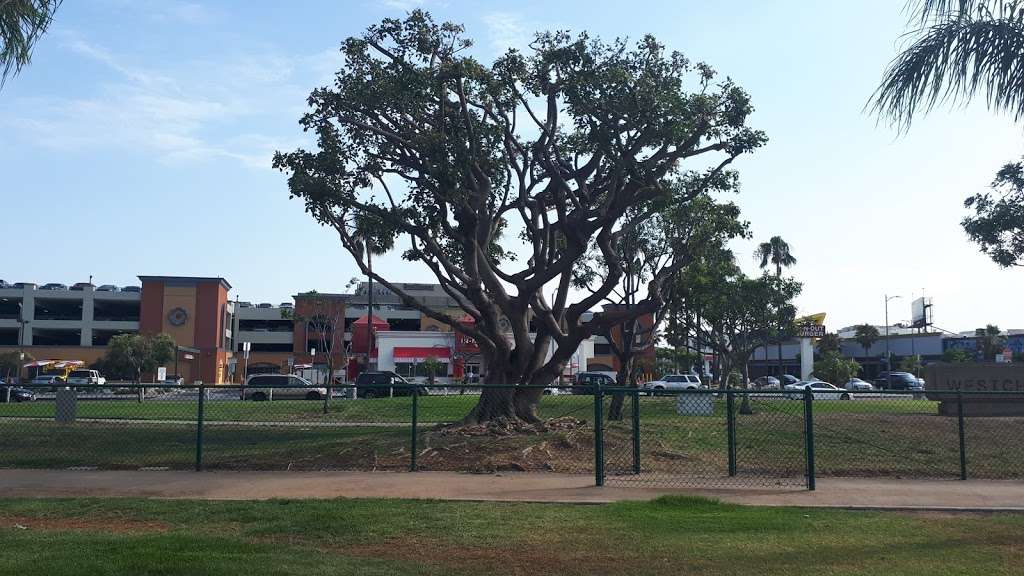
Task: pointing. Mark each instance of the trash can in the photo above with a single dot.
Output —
(67, 404)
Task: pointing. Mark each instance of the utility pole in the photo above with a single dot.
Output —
(888, 357)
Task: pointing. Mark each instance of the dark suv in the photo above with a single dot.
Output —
(383, 384)
(900, 381)
(585, 382)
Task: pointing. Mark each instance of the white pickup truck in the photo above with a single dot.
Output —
(86, 378)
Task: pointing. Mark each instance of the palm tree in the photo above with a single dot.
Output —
(959, 48)
(776, 251)
(866, 336)
(22, 22)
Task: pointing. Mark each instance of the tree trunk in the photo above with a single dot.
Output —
(618, 398)
(506, 401)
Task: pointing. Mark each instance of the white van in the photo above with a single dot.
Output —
(86, 378)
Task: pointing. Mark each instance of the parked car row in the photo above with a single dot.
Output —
(78, 286)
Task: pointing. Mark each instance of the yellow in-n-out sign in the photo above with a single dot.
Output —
(810, 331)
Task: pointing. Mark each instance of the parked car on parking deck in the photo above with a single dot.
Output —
(108, 288)
(131, 289)
(53, 286)
(261, 387)
(16, 394)
(858, 385)
(674, 382)
(819, 389)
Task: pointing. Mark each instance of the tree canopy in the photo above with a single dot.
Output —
(997, 225)
(22, 23)
(957, 49)
(500, 179)
(866, 335)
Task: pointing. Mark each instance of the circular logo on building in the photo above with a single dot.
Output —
(177, 317)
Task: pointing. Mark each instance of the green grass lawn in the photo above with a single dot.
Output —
(671, 536)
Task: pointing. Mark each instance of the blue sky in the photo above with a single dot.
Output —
(139, 142)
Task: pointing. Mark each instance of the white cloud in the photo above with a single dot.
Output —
(404, 5)
(187, 112)
(507, 30)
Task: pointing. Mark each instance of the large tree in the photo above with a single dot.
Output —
(22, 22)
(551, 149)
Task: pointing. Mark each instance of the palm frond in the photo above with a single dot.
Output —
(22, 22)
(952, 61)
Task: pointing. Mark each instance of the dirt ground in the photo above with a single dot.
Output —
(949, 495)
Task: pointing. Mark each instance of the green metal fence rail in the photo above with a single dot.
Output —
(705, 438)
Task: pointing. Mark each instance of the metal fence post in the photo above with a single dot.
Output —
(809, 436)
(636, 431)
(415, 417)
(730, 429)
(598, 435)
(960, 429)
(199, 428)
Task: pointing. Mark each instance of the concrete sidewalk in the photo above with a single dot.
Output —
(991, 495)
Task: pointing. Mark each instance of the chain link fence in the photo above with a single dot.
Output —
(622, 436)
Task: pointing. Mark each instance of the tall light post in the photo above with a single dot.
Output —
(888, 358)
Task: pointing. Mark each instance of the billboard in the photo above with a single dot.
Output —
(920, 312)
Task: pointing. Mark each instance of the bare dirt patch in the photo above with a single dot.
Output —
(530, 558)
(88, 524)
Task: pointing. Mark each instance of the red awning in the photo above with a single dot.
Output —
(422, 352)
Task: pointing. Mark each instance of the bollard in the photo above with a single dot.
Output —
(809, 436)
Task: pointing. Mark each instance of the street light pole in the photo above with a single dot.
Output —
(888, 357)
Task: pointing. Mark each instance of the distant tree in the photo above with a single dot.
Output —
(675, 360)
(22, 23)
(722, 309)
(997, 225)
(670, 235)
(990, 342)
(432, 366)
(775, 252)
(911, 364)
(324, 319)
(866, 335)
(835, 369)
(957, 356)
(11, 363)
(132, 355)
(830, 342)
